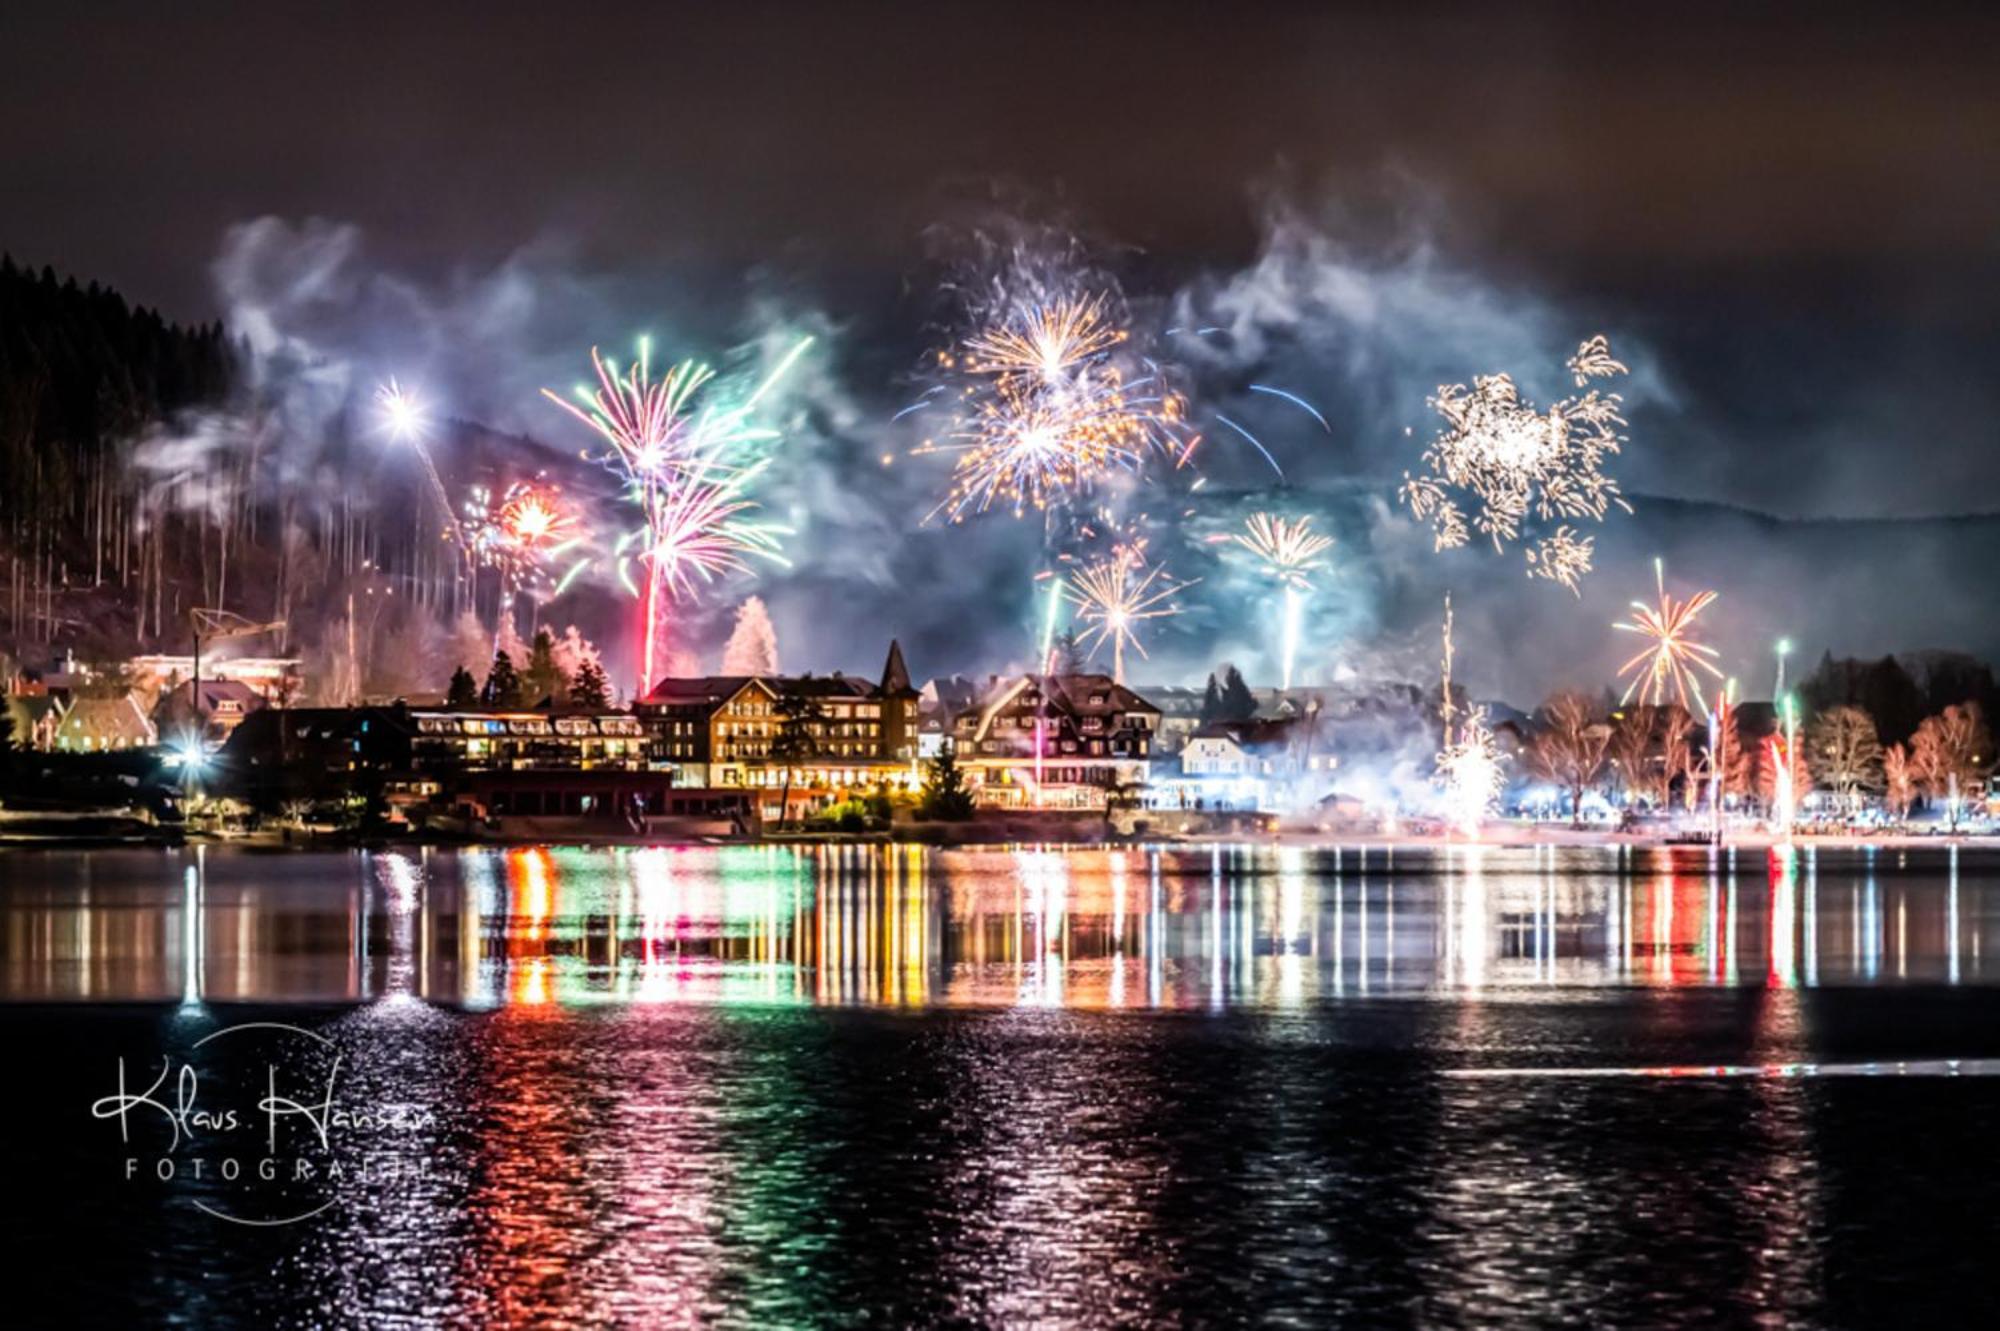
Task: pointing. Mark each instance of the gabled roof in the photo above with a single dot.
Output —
(215, 691)
(703, 688)
(1062, 696)
(1250, 735)
(107, 716)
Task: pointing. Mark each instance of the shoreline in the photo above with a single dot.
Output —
(956, 836)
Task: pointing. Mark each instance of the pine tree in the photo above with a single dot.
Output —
(1238, 703)
(589, 689)
(503, 686)
(753, 644)
(1069, 659)
(796, 741)
(544, 677)
(945, 797)
(464, 691)
(1211, 700)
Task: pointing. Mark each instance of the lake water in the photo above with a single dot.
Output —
(777, 1085)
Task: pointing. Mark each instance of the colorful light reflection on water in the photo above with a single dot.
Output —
(1210, 927)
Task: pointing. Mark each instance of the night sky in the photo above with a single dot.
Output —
(1789, 219)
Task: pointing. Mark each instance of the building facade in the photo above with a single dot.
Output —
(1055, 741)
(727, 732)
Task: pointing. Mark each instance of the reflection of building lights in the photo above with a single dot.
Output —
(1784, 905)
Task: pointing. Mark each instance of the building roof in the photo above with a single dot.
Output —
(950, 694)
(717, 689)
(214, 693)
(118, 718)
(1176, 700)
(895, 675)
(699, 688)
(1065, 696)
(1250, 736)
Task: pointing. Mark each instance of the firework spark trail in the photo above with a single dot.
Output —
(1255, 443)
(1296, 401)
(1500, 463)
(1115, 595)
(1667, 667)
(404, 419)
(1288, 553)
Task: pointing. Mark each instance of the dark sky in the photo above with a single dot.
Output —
(1795, 208)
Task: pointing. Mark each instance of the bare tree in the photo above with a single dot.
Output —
(1951, 753)
(1568, 750)
(1677, 757)
(1844, 753)
(1899, 781)
(1629, 749)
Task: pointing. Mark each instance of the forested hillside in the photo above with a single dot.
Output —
(82, 374)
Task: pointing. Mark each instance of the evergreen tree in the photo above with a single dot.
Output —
(1211, 700)
(543, 678)
(797, 740)
(1890, 696)
(464, 690)
(503, 686)
(945, 797)
(589, 689)
(1237, 702)
(1069, 658)
(753, 644)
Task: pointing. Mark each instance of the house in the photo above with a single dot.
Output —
(224, 704)
(1274, 763)
(95, 725)
(721, 731)
(938, 705)
(1180, 714)
(1055, 741)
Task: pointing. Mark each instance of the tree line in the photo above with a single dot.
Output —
(1662, 757)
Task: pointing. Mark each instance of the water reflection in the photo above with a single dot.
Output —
(1215, 927)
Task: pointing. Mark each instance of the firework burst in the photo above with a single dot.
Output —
(698, 529)
(1470, 766)
(1047, 408)
(1502, 464)
(1668, 669)
(1470, 772)
(688, 470)
(1117, 594)
(1288, 553)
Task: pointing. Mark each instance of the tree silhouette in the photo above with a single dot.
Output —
(797, 740)
(1844, 753)
(589, 688)
(543, 678)
(945, 797)
(503, 686)
(1568, 750)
